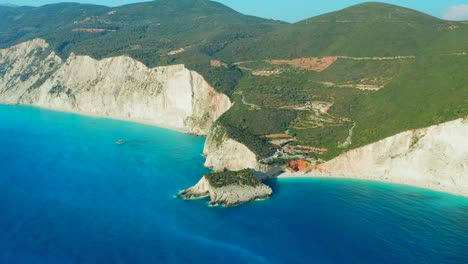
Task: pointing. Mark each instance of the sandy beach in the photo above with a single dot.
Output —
(385, 179)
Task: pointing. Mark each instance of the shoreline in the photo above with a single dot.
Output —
(136, 121)
(398, 180)
(432, 158)
(382, 179)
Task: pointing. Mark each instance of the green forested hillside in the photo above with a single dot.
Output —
(432, 90)
(413, 63)
(147, 31)
(313, 89)
(369, 29)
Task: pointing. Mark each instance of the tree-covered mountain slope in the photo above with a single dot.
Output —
(346, 79)
(149, 31)
(369, 29)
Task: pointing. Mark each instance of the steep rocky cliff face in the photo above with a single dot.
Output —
(117, 87)
(22, 66)
(223, 152)
(434, 158)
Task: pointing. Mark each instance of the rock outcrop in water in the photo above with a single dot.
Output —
(229, 195)
(434, 158)
(117, 87)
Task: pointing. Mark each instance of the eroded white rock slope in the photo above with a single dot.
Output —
(434, 158)
(117, 87)
(223, 152)
(21, 66)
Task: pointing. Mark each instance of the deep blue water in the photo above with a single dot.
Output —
(70, 194)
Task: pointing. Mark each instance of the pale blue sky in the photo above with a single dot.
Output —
(295, 10)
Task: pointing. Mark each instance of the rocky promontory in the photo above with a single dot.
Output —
(228, 188)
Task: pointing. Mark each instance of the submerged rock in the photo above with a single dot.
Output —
(238, 189)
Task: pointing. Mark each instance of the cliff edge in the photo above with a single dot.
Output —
(118, 87)
(224, 153)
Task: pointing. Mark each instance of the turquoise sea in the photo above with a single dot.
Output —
(70, 194)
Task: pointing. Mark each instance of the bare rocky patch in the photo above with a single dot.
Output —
(175, 52)
(362, 87)
(266, 73)
(312, 64)
(93, 30)
(217, 64)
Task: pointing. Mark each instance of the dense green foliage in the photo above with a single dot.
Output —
(223, 79)
(260, 146)
(295, 87)
(328, 137)
(369, 29)
(258, 122)
(433, 90)
(146, 31)
(242, 178)
(354, 71)
(248, 125)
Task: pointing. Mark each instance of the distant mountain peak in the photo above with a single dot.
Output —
(374, 11)
(376, 8)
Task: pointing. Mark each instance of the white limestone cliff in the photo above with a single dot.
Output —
(434, 158)
(118, 87)
(21, 66)
(223, 152)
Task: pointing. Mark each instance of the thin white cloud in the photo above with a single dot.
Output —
(458, 12)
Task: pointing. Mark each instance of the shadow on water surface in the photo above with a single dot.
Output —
(274, 185)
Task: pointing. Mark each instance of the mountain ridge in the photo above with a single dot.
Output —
(368, 29)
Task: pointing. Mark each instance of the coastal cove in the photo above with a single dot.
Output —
(69, 193)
